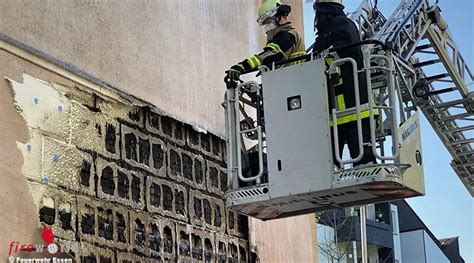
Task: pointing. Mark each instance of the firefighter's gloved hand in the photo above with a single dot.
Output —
(235, 71)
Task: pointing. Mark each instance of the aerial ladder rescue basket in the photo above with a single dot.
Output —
(280, 135)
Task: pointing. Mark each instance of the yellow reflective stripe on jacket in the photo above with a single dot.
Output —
(353, 117)
(294, 55)
(254, 62)
(274, 47)
(341, 104)
(297, 54)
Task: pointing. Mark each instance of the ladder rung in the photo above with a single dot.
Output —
(446, 104)
(426, 63)
(465, 153)
(441, 91)
(462, 129)
(437, 77)
(455, 117)
(423, 47)
(462, 142)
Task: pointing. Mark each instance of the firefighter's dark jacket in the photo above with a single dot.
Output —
(335, 29)
(283, 43)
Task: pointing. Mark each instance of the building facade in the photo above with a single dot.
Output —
(112, 131)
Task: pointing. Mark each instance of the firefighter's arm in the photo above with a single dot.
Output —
(274, 51)
(277, 48)
(321, 43)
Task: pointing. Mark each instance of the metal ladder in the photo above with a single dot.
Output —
(417, 31)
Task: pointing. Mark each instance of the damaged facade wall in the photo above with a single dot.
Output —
(128, 179)
(159, 67)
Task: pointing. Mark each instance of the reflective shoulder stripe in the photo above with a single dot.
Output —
(274, 47)
(353, 117)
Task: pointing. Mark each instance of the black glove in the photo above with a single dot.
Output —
(235, 71)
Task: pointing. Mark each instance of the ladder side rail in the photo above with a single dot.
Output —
(440, 41)
(442, 128)
(361, 17)
(398, 19)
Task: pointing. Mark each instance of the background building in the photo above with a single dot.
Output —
(395, 233)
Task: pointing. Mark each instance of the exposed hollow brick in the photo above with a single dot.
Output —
(103, 259)
(222, 253)
(233, 253)
(89, 259)
(85, 173)
(214, 177)
(175, 162)
(187, 167)
(139, 238)
(131, 146)
(155, 195)
(88, 223)
(135, 115)
(105, 223)
(143, 151)
(205, 142)
(208, 250)
(180, 205)
(216, 145)
(168, 243)
(154, 120)
(65, 216)
(167, 125)
(121, 228)
(224, 181)
(193, 136)
(167, 198)
(157, 155)
(110, 138)
(47, 215)
(154, 238)
(231, 220)
(198, 171)
(136, 189)
(207, 211)
(243, 254)
(197, 205)
(217, 215)
(197, 251)
(178, 130)
(184, 247)
(107, 181)
(123, 185)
